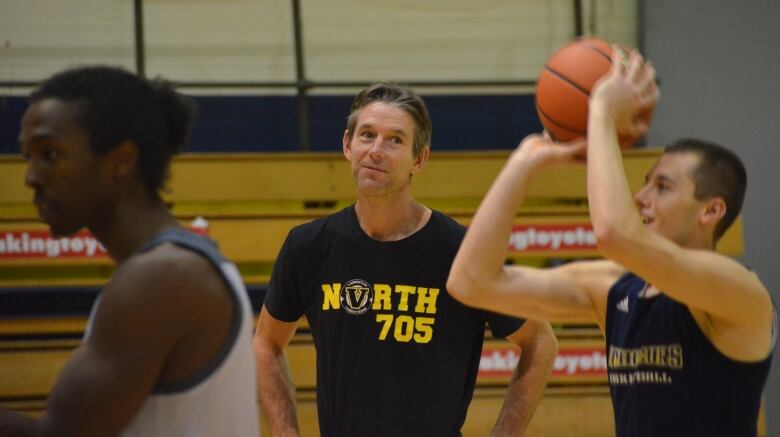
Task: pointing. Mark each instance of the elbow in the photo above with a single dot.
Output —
(266, 350)
(461, 287)
(611, 238)
(262, 351)
(606, 236)
(549, 340)
(538, 343)
(544, 337)
(546, 346)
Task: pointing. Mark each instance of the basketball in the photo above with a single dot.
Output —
(564, 86)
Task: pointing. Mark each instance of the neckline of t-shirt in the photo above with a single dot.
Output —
(409, 238)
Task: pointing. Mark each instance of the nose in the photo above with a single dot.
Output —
(641, 197)
(377, 147)
(33, 176)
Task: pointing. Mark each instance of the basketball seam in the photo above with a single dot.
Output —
(561, 125)
(567, 80)
(573, 84)
(597, 50)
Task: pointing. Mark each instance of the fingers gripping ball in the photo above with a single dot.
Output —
(564, 86)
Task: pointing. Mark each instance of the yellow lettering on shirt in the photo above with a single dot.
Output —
(426, 300)
(331, 296)
(382, 294)
(405, 290)
(664, 356)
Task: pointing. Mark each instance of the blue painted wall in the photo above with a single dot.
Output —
(269, 123)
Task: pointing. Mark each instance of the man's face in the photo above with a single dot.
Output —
(61, 168)
(381, 150)
(667, 203)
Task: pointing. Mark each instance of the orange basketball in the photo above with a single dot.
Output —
(564, 87)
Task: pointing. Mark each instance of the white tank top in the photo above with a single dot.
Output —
(221, 399)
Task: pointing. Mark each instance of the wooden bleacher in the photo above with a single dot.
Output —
(250, 202)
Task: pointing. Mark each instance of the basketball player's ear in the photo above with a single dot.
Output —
(345, 145)
(124, 159)
(714, 210)
(421, 159)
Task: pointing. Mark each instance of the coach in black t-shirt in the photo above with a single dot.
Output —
(396, 355)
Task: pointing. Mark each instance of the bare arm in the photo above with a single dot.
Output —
(275, 386)
(479, 277)
(539, 348)
(732, 299)
(113, 372)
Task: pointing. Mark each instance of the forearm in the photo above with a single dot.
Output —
(276, 393)
(483, 251)
(526, 388)
(610, 201)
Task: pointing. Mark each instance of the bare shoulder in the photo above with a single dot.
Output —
(176, 301)
(727, 291)
(170, 279)
(168, 266)
(729, 303)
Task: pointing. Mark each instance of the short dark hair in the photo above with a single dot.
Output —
(114, 105)
(402, 97)
(720, 173)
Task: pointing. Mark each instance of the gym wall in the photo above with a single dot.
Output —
(343, 41)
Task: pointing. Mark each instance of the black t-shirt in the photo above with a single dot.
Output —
(667, 378)
(396, 355)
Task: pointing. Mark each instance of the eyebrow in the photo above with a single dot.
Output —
(662, 177)
(37, 137)
(400, 132)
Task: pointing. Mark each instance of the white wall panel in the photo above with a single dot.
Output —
(344, 40)
(40, 37)
(227, 40)
(615, 20)
(414, 40)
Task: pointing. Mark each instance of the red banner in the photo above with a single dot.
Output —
(570, 362)
(41, 245)
(555, 237)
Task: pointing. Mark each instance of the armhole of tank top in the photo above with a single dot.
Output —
(91, 318)
(610, 313)
(774, 319)
(230, 275)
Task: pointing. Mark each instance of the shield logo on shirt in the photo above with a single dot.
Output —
(357, 296)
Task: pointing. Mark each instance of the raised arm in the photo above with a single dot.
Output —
(275, 386)
(726, 298)
(479, 276)
(539, 347)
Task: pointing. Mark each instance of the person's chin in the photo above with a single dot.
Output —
(55, 228)
(59, 230)
(371, 187)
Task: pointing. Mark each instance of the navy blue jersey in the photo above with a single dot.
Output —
(666, 378)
